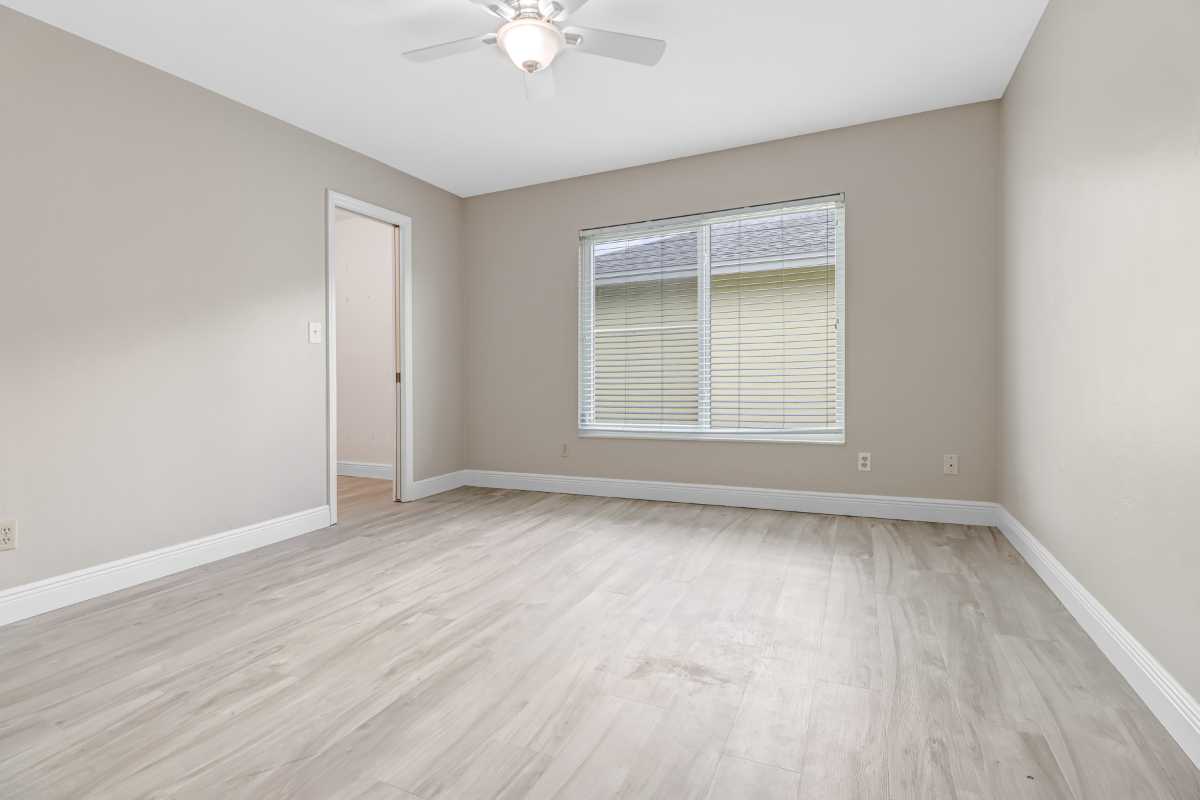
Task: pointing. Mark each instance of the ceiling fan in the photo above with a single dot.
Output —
(532, 36)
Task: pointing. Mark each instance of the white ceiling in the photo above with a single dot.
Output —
(735, 72)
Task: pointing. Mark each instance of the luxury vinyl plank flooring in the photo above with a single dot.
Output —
(494, 644)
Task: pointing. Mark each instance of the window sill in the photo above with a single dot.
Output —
(815, 437)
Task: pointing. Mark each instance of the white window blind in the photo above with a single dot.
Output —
(722, 325)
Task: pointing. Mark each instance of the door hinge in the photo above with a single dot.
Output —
(397, 377)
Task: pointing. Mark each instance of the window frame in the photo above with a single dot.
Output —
(702, 431)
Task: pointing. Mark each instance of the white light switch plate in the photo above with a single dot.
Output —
(314, 333)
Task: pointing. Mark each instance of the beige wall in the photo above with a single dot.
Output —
(922, 227)
(366, 339)
(1101, 340)
(163, 254)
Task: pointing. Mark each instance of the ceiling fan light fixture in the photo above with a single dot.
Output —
(530, 43)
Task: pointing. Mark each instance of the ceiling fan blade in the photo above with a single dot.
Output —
(621, 46)
(558, 10)
(498, 8)
(451, 48)
(540, 86)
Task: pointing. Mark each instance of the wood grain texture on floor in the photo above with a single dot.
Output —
(499, 644)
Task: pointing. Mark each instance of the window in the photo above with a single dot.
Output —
(716, 326)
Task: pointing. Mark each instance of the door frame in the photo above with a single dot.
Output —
(402, 305)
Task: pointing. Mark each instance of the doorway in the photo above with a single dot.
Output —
(368, 344)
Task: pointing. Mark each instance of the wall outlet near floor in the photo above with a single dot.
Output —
(950, 464)
(8, 535)
(864, 462)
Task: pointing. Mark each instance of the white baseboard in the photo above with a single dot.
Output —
(359, 469)
(36, 598)
(436, 485)
(1175, 708)
(963, 512)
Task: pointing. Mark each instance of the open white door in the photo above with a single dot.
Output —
(398, 345)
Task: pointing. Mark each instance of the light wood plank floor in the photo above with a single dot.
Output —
(488, 644)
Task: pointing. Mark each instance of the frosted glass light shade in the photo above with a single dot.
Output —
(531, 43)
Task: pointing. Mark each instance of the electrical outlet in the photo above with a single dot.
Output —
(8, 535)
(950, 464)
(864, 462)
